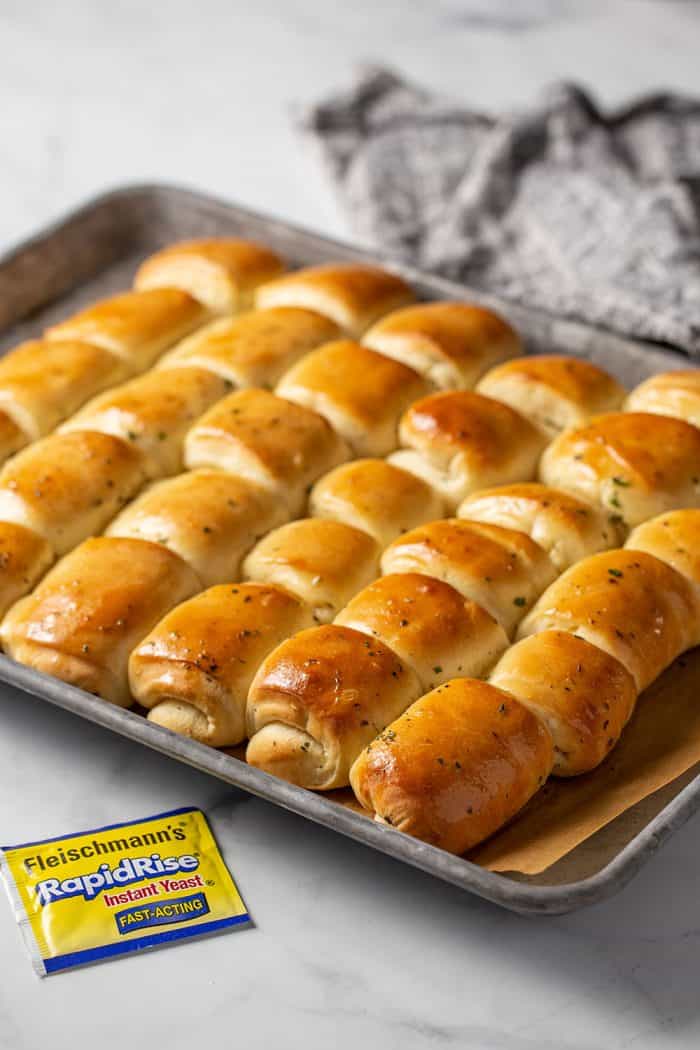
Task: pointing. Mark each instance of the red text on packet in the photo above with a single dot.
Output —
(113, 900)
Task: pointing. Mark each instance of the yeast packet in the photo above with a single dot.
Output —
(123, 888)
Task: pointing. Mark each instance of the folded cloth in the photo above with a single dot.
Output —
(583, 214)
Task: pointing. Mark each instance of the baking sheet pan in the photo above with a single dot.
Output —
(92, 253)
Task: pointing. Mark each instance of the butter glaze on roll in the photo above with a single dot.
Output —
(450, 344)
(502, 570)
(194, 669)
(377, 497)
(221, 273)
(12, 436)
(669, 394)
(554, 391)
(456, 766)
(633, 464)
(88, 613)
(362, 394)
(44, 382)
(318, 699)
(255, 349)
(628, 603)
(460, 441)
(272, 442)
(66, 487)
(136, 326)
(350, 294)
(323, 562)
(566, 527)
(674, 538)
(435, 631)
(153, 412)
(210, 519)
(24, 558)
(583, 695)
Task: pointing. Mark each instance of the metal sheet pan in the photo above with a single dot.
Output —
(93, 252)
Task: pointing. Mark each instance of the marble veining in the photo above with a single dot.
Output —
(347, 947)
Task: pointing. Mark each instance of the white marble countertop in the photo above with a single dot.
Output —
(348, 947)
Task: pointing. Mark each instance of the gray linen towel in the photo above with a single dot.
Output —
(583, 214)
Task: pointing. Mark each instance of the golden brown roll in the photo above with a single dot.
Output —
(583, 695)
(456, 766)
(275, 443)
(669, 394)
(323, 562)
(12, 436)
(194, 669)
(255, 349)
(450, 344)
(460, 441)
(628, 603)
(153, 412)
(554, 391)
(210, 519)
(377, 497)
(24, 557)
(318, 699)
(222, 273)
(435, 631)
(673, 538)
(362, 394)
(88, 613)
(500, 569)
(351, 294)
(43, 382)
(66, 487)
(566, 527)
(136, 326)
(633, 464)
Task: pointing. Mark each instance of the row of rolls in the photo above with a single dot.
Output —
(326, 392)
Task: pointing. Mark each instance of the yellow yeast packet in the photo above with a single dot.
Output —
(123, 888)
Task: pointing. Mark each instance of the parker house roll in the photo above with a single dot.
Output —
(275, 443)
(322, 562)
(669, 394)
(255, 349)
(377, 497)
(66, 487)
(455, 766)
(43, 382)
(502, 570)
(568, 528)
(210, 519)
(92, 608)
(674, 538)
(451, 344)
(362, 394)
(554, 391)
(222, 273)
(136, 326)
(460, 441)
(352, 295)
(582, 694)
(634, 464)
(24, 558)
(318, 699)
(431, 627)
(627, 602)
(12, 436)
(154, 412)
(194, 670)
